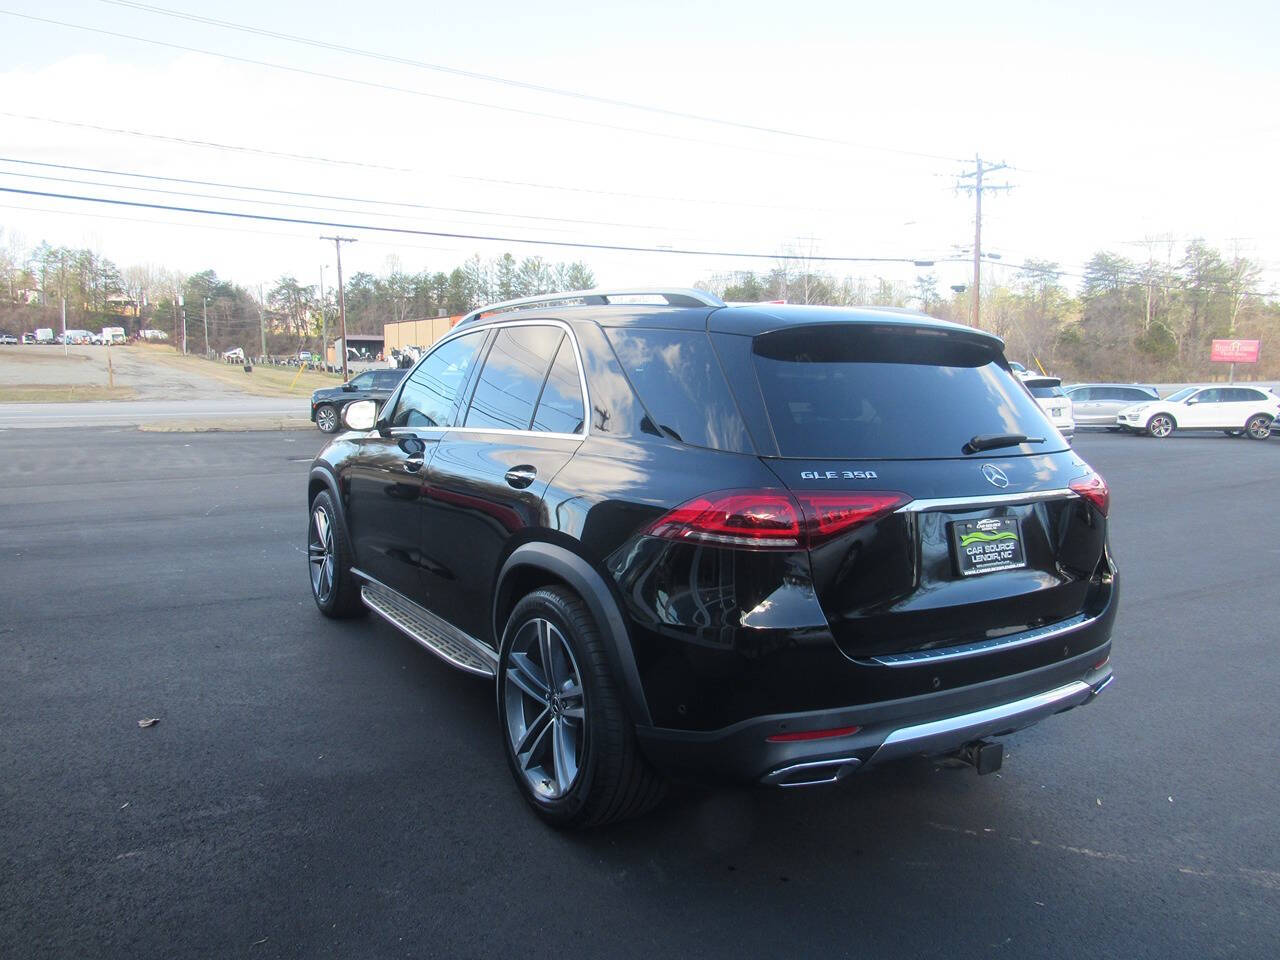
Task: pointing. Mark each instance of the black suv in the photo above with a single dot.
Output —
(328, 403)
(761, 543)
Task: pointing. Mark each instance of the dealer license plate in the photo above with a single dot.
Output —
(985, 546)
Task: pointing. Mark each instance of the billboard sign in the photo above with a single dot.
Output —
(1235, 351)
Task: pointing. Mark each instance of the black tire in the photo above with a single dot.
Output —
(1258, 427)
(1161, 426)
(613, 781)
(328, 419)
(337, 594)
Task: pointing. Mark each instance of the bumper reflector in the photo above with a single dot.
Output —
(812, 735)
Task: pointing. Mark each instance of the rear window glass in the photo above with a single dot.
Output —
(1043, 391)
(678, 379)
(868, 392)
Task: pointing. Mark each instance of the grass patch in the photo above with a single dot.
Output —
(62, 393)
(263, 382)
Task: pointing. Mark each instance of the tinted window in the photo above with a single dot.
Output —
(857, 391)
(560, 409)
(1042, 390)
(431, 390)
(1209, 396)
(1081, 393)
(512, 377)
(1130, 394)
(678, 378)
(387, 379)
(1247, 395)
(364, 381)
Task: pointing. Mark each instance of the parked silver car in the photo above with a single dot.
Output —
(1096, 404)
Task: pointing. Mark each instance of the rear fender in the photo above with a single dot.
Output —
(584, 580)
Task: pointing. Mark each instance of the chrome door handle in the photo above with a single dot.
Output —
(521, 476)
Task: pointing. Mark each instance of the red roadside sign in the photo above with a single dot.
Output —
(1235, 351)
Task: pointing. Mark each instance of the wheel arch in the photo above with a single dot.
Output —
(321, 479)
(540, 564)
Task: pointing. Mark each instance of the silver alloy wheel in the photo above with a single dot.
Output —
(1160, 425)
(545, 708)
(320, 553)
(327, 419)
(1259, 428)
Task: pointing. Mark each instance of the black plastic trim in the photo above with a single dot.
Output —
(591, 586)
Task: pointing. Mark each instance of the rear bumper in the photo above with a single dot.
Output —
(927, 725)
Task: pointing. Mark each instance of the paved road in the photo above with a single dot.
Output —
(324, 790)
(106, 413)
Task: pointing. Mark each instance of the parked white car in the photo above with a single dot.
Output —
(1233, 410)
(1048, 393)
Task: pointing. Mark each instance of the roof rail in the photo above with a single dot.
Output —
(675, 297)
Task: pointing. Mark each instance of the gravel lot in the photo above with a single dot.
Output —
(320, 789)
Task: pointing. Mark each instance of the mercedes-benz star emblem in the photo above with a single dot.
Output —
(995, 476)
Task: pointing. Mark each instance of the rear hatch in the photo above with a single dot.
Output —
(917, 540)
(1053, 401)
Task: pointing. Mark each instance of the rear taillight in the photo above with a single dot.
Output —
(1094, 489)
(765, 519)
(772, 519)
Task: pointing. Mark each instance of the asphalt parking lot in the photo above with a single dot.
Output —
(324, 789)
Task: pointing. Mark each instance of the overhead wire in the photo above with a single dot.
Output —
(395, 88)
(377, 228)
(522, 84)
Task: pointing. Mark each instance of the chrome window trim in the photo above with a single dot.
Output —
(986, 500)
(499, 323)
(976, 649)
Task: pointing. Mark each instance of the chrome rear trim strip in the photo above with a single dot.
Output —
(980, 647)
(950, 733)
(993, 500)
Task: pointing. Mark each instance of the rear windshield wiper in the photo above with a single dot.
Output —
(990, 441)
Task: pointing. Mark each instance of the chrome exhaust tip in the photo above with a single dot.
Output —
(812, 773)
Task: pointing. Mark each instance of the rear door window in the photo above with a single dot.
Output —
(512, 377)
(858, 391)
(560, 408)
(678, 379)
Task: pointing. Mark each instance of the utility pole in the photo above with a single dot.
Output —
(324, 324)
(206, 326)
(979, 170)
(182, 305)
(262, 324)
(66, 351)
(342, 300)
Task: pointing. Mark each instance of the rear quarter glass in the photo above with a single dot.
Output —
(860, 391)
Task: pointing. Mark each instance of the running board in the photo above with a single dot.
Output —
(439, 636)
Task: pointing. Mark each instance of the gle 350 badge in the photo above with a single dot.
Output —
(838, 475)
(985, 546)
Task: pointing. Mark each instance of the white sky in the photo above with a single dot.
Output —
(1158, 119)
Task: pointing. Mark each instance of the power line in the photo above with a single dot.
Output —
(273, 203)
(394, 88)
(579, 245)
(521, 84)
(209, 144)
(314, 196)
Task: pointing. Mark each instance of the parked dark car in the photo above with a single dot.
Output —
(328, 403)
(771, 544)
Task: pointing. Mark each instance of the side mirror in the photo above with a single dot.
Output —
(1190, 400)
(349, 387)
(360, 415)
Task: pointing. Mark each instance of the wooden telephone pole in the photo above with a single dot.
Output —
(342, 301)
(976, 188)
